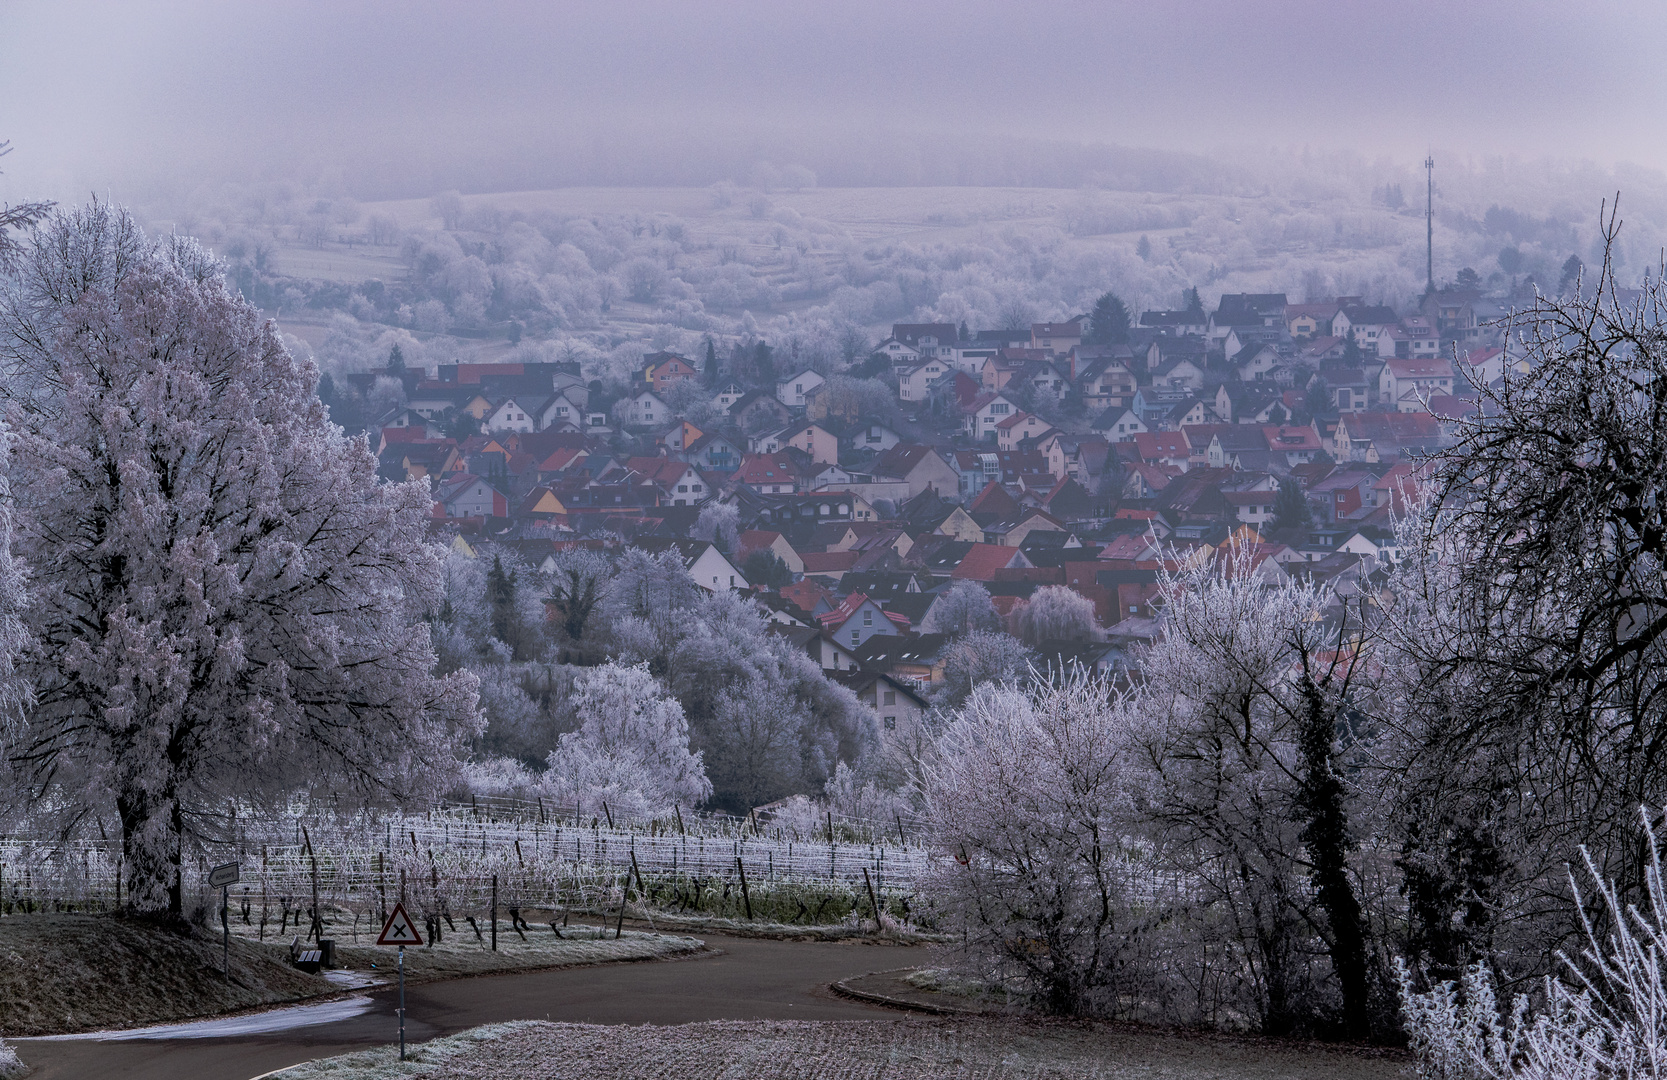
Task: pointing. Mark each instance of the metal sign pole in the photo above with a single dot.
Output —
(402, 1003)
(225, 937)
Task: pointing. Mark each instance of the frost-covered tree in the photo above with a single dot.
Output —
(226, 602)
(962, 608)
(1252, 698)
(1057, 612)
(1028, 799)
(719, 523)
(1533, 631)
(631, 748)
(576, 588)
(979, 657)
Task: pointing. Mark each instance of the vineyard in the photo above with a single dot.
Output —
(455, 862)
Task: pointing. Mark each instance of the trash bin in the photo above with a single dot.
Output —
(327, 949)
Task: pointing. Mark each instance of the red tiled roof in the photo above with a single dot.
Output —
(982, 561)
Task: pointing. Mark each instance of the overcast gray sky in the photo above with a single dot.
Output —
(96, 94)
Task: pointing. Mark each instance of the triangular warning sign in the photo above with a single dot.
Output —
(399, 929)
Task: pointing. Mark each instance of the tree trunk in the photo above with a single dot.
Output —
(152, 825)
(1326, 833)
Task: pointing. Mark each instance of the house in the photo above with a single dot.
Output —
(981, 416)
(858, 618)
(1164, 448)
(725, 398)
(820, 444)
(661, 369)
(1310, 320)
(466, 496)
(768, 474)
(1056, 339)
(899, 707)
(982, 561)
(917, 660)
(793, 390)
(1299, 445)
(715, 453)
(1179, 373)
(913, 380)
(1245, 310)
(679, 482)
(921, 467)
(897, 352)
(709, 567)
(774, 542)
(757, 410)
(1367, 323)
(1119, 424)
(1176, 323)
(1106, 382)
(1404, 385)
(867, 435)
(645, 409)
(1413, 339)
(566, 408)
(928, 339)
(829, 654)
(1352, 388)
(509, 415)
(960, 525)
(1019, 427)
(1256, 362)
(806, 508)
(1228, 441)
(679, 436)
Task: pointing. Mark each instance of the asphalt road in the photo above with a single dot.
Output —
(752, 979)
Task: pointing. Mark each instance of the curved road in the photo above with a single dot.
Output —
(752, 979)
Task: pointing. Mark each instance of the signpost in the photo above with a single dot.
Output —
(223, 877)
(400, 930)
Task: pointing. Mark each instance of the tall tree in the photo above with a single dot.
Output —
(709, 366)
(227, 603)
(1290, 506)
(1108, 324)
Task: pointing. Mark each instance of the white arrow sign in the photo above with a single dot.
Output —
(399, 929)
(223, 875)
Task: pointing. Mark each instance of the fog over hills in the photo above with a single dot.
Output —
(388, 101)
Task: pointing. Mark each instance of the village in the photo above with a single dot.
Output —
(1074, 454)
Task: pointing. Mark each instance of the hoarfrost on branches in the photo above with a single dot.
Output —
(632, 746)
(226, 601)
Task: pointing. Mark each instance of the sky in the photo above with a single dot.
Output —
(385, 98)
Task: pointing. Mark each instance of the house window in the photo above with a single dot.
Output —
(891, 697)
(682, 487)
(890, 721)
(868, 618)
(854, 634)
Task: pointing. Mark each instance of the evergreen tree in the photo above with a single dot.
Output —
(1144, 248)
(764, 364)
(1290, 507)
(765, 569)
(1191, 301)
(396, 361)
(1469, 279)
(1572, 269)
(710, 365)
(500, 598)
(1109, 322)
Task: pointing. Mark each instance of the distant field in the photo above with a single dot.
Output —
(861, 215)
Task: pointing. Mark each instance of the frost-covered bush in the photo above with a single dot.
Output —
(1605, 1015)
(632, 746)
(10, 1065)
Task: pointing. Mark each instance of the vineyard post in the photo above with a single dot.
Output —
(494, 912)
(746, 896)
(872, 900)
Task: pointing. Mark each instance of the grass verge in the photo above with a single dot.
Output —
(69, 973)
(870, 1050)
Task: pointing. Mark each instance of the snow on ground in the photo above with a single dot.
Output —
(232, 1026)
(871, 1050)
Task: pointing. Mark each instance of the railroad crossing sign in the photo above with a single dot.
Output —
(223, 875)
(399, 929)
